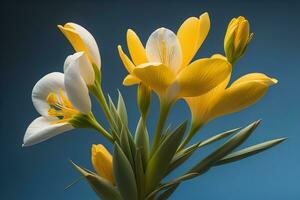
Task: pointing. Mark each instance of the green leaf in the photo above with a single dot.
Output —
(160, 161)
(218, 137)
(117, 124)
(186, 153)
(249, 151)
(181, 156)
(172, 183)
(103, 188)
(142, 141)
(124, 144)
(122, 109)
(124, 175)
(139, 174)
(167, 193)
(224, 149)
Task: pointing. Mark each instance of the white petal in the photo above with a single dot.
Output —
(43, 128)
(163, 46)
(89, 41)
(53, 82)
(77, 90)
(85, 67)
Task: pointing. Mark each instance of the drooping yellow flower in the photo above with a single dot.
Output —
(223, 100)
(164, 65)
(102, 162)
(237, 38)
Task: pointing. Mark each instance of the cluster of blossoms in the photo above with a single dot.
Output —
(165, 66)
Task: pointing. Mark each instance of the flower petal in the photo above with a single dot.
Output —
(155, 75)
(43, 128)
(82, 40)
(85, 67)
(202, 75)
(131, 80)
(240, 95)
(256, 77)
(191, 35)
(77, 90)
(201, 106)
(102, 162)
(126, 61)
(164, 47)
(136, 48)
(53, 82)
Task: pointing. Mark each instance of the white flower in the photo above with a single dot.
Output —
(59, 97)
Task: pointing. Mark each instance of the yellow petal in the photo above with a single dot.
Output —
(256, 77)
(202, 75)
(201, 106)
(191, 35)
(240, 95)
(219, 56)
(126, 61)
(102, 162)
(136, 48)
(131, 80)
(78, 44)
(155, 75)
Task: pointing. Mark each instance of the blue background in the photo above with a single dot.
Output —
(32, 46)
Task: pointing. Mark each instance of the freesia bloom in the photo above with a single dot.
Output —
(102, 162)
(224, 100)
(237, 38)
(164, 65)
(59, 98)
(82, 40)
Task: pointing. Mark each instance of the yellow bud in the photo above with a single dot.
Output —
(237, 38)
(143, 99)
(102, 162)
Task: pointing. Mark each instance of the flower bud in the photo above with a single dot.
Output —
(143, 99)
(237, 38)
(102, 162)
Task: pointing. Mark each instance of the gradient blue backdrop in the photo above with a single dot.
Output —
(32, 46)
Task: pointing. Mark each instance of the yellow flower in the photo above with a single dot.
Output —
(82, 40)
(224, 100)
(237, 38)
(102, 162)
(164, 65)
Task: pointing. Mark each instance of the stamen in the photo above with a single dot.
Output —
(164, 51)
(60, 107)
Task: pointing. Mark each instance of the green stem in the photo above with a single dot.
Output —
(193, 130)
(98, 127)
(96, 90)
(163, 114)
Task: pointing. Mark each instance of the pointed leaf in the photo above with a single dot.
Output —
(249, 151)
(124, 144)
(140, 174)
(124, 175)
(142, 141)
(224, 149)
(160, 161)
(172, 183)
(218, 137)
(166, 194)
(122, 109)
(103, 188)
(186, 153)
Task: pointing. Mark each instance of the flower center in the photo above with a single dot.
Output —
(60, 107)
(166, 53)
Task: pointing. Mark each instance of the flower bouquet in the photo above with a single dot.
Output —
(136, 169)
